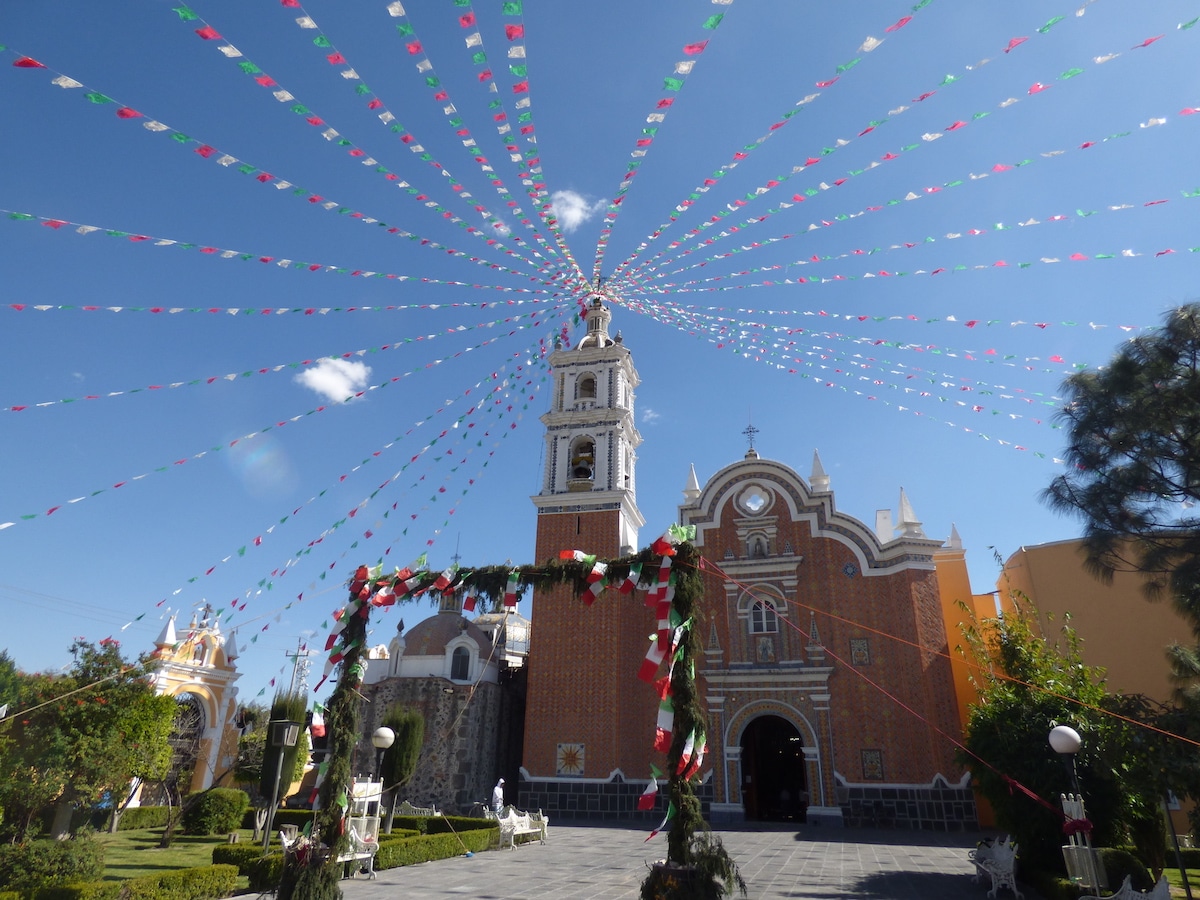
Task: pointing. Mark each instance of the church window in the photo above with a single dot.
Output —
(729, 554)
(585, 389)
(460, 664)
(763, 618)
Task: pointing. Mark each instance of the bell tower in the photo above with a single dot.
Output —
(586, 713)
(591, 445)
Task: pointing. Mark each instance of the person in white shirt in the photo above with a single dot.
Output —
(498, 796)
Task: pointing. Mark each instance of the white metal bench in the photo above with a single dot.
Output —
(362, 851)
(514, 823)
(1161, 891)
(407, 809)
(996, 860)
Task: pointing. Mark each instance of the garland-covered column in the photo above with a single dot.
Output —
(313, 874)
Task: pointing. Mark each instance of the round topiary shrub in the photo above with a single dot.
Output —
(1118, 863)
(42, 863)
(216, 811)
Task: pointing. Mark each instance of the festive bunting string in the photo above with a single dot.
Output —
(377, 526)
(926, 139)
(1027, 222)
(203, 453)
(281, 310)
(868, 45)
(214, 252)
(672, 85)
(354, 152)
(441, 95)
(827, 381)
(519, 88)
(266, 584)
(748, 344)
(294, 366)
(966, 321)
(948, 268)
(715, 326)
(232, 163)
(500, 414)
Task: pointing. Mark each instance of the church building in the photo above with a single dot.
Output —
(825, 673)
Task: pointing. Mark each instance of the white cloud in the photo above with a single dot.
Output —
(572, 210)
(649, 416)
(335, 379)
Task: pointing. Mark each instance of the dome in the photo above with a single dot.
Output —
(431, 637)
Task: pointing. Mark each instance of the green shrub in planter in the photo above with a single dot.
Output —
(216, 811)
(46, 862)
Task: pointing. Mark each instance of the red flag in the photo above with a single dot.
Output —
(512, 32)
(26, 62)
(1014, 43)
(208, 33)
(899, 24)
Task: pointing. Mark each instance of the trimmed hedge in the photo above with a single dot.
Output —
(200, 883)
(423, 848)
(442, 824)
(34, 864)
(138, 817)
(91, 890)
(215, 811)
(1118, 863)
(395, 849)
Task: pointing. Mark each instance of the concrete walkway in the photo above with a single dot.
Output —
(581, 861)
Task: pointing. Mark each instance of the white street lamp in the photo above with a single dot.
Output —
(383, 738)
(1066, 742)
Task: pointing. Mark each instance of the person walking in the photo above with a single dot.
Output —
(498, 796)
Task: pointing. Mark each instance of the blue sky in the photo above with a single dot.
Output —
(235, 489)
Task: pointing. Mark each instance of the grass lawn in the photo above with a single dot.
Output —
(1176, 881)
(128, 854)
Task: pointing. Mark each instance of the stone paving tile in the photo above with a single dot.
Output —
(582, 861)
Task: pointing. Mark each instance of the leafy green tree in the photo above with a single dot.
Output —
(252, 742)
(83, 737)
(1133, 461)
(290, 707)
(1026, 686)
(400, 759)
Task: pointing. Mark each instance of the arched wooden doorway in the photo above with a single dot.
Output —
(774, 778)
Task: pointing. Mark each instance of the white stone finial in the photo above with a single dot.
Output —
(691, 490)
(883, 525)
(167, 637)
(819, 481)
(909, 524)
(954, 542)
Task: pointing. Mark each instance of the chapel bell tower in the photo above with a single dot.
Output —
(586, 711)
(591, 442)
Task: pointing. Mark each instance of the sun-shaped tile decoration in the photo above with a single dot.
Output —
(569, 760)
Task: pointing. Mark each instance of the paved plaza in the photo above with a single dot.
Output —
(582, 861)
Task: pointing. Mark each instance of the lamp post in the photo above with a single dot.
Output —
(1066, 742)
(383, 738)
(283, 734)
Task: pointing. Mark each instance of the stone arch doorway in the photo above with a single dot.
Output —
(774, 776)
